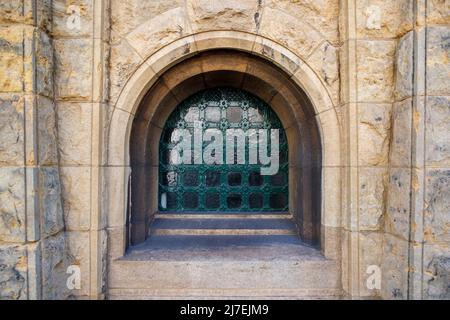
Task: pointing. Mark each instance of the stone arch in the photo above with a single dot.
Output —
(281, 77)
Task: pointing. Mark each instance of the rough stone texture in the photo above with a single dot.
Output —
(66, 15)
(437, 128)
(438, 12)
(437, 207)
(216, 15)
(321, 14)
(74, 133)
(437, 272)
(290, 32)
(13, 272)
(394, 268)
(54, 267)
(370, 255)
(372, 192)
(50, 201)
(404, 76)
(374, 134)
(73, 79)
(375, 70)
(15, 58)
(12, 205)
(325, 60)
(400, 153)
(398, 203)
(11, 129)
(79, 254)
(438, 60)
(76, 200)
(46, 131)
(383, 19)
(126, 15)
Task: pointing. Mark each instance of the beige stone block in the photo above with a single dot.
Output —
(438, 12)
(14, 279)
(118, 138)
(400, 153)
(405, 67)
(370, 254)
(374, 132)
(436, 265)
(73, 64)
(116, 243)
(205, 15)
(437, 124)
(375, 70)
(438, 60)
(12, 205)
(12, 130)
(130, 14)
(224, 39)
(383, 19)
(54, 266)
(325, 61)
(76, 198)
(437, 206)
(321, 15)
(16, 72)
(331, 243)
(47, 135)
(158, 32)
(290, 32)
(117, 185)
(372, 197)
(50, 206)
(72, 18)
(330, 132)
(16, 11)
(331, 197)
(397, 218)
(79, 254)
(124, 62)
(43, 60)
(74, 133)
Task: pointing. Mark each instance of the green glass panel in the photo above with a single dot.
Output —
(217, 185)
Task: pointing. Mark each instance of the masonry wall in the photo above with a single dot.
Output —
(385, 64)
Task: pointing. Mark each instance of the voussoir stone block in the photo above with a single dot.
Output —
(437, 206)
(438, 60)
(11, 129)
(13, 272)
(12, 205)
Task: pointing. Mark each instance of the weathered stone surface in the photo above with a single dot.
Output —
(405, 60)
(372, 195)
(12, 205)
(437, 272)
(437, 131)
(47, 137)
(322, 14)
(11, 129)
(72, 18)
(374, 134)
(16, 11)
(54, 264)
(124, 61)
(73, 74)
(50, 201)
(78, 254)
(74, 133)
(383, 19)
(371, 251)
(438, 60)
(438, 12)
(44, 64)
(159, 31)
(375, 70)
(126, 15)
(325, 60)
(400, 153)
(15, 58)
(398, 203)
(394, 268)
(75, 183)
(437, 206)
(216, 15)
(13, 272)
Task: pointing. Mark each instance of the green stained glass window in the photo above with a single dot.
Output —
(212, 151)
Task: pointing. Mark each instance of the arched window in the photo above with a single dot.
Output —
(223, 150)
